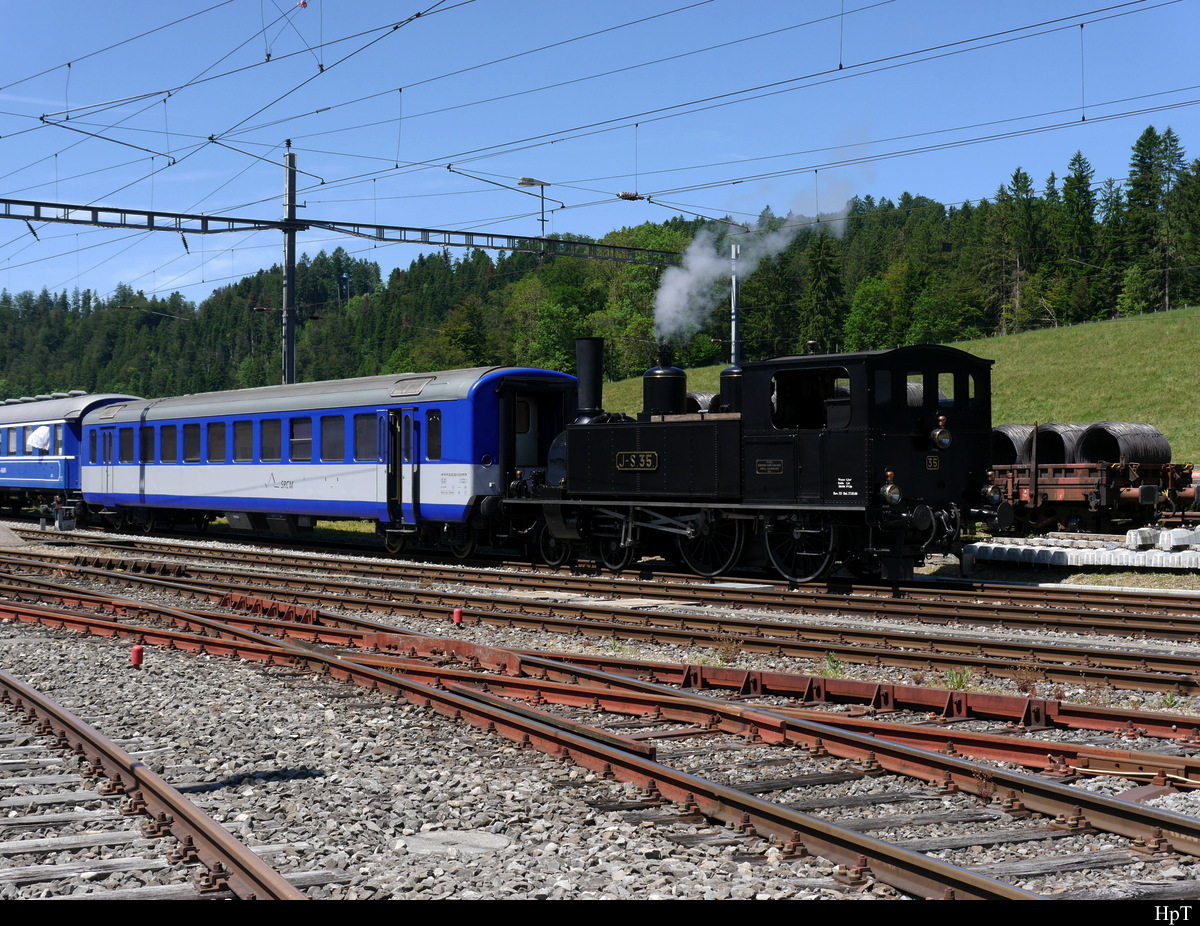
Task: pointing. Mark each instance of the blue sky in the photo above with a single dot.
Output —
(708, 108)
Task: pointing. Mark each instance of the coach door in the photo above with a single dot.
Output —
(108, 441)
(408, 456)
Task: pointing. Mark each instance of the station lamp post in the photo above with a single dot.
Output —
(529, 181)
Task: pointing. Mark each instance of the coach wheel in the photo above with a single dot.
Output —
(554, 551)
(614, 556)
(716, 547)
(394, 543)
(146, 526)
(801, 547)
(463, 549)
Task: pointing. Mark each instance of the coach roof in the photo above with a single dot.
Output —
(71, 407)
(365, 392)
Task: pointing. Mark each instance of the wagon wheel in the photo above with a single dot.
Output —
(554, 551)
(463, 549)
(716, 547)
(801, 547)
(614, 556)
(394, 543)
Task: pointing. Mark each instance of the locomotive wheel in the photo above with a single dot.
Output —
(863, 568)
(801, 547)
(395, 543)
(554, 551)
(614, 556)
(716, 547)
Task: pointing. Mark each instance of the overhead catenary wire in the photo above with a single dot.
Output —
(668, 189)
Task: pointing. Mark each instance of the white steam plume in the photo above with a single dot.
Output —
(687, 294)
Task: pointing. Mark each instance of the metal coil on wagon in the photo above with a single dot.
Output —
(1117, 441)
(1056, 443)
(699, 401)
(1008, 443)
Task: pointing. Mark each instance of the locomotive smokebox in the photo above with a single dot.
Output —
(664, 387)
(589, 369)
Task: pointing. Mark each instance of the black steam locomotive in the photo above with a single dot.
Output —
(868, 460)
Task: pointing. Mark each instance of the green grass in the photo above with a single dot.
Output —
(626, 395)
(1129, 369)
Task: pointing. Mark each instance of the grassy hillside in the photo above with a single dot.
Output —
(1132, 369)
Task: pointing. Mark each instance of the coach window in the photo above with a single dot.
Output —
(126, 446)
(243, 441)
(168, 444)
(191, 443)
(433, 439)
(146, 434)
(272, 441)
(58, 445)
(216, 442)
(406, 439)
(301, 445)
(333, 438)
(366, 438)
(91, 446)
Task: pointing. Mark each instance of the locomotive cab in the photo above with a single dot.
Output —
(891, 447)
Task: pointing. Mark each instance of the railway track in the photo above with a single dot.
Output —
(1120, 663)
(792, 722)
(1117, 610)
(43, 796)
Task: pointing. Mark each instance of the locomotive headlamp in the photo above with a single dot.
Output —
(939, 436)
(992, 494)
(890, 492)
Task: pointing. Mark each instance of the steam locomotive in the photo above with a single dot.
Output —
(870, 460)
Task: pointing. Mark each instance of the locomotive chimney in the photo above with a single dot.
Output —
(730, 399)
(664, 387)
(589, 369)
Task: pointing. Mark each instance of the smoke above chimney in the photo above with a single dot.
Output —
(687, 294)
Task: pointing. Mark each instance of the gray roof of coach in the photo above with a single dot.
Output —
(338, 393)
(56, 409)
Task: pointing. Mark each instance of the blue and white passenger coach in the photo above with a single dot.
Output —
(421, 454)
(39, 446)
